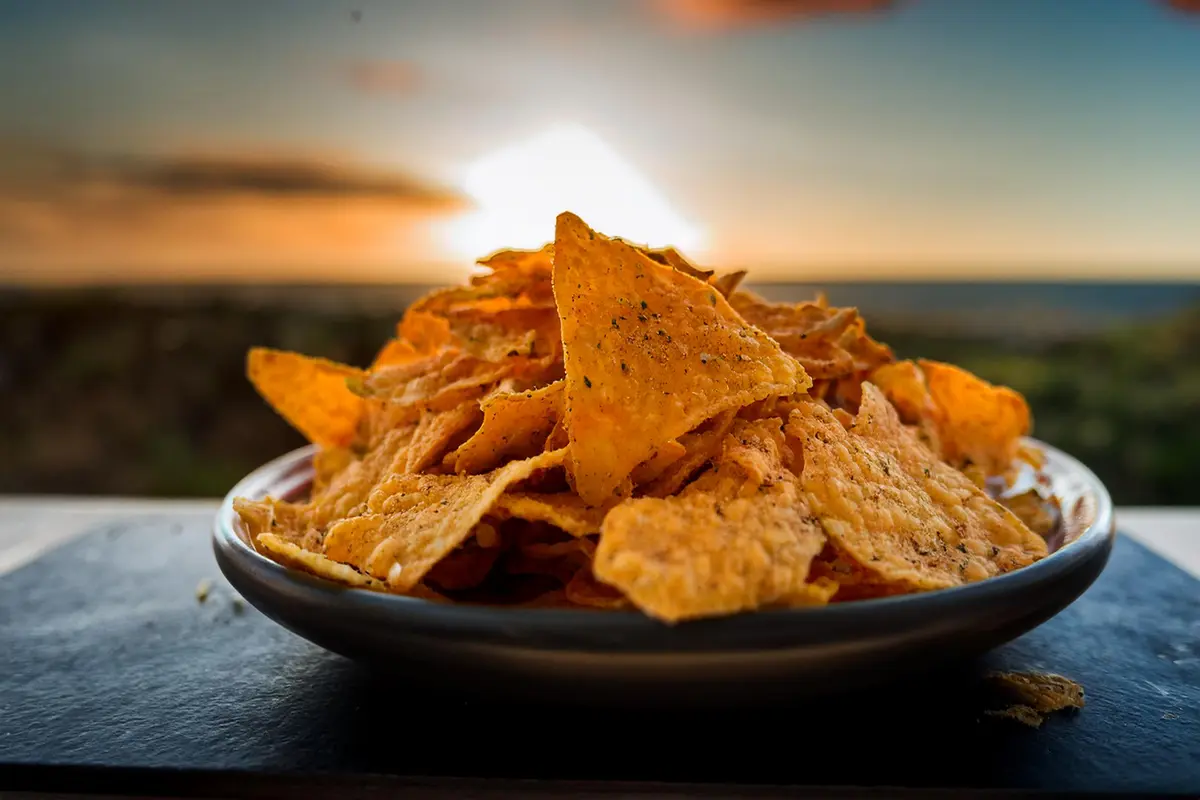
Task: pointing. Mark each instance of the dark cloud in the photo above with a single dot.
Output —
(728, 14)
(67, 215)
(39, 169)
(384, 77)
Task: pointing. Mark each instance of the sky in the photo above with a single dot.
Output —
(805, 139)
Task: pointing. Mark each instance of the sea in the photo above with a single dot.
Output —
(1041, 309)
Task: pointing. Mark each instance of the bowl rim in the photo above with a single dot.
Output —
(235, 554)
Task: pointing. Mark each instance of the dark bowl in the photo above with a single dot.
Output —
(625, 658)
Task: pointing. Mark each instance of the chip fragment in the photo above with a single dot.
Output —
(650, 353)
(1032, 696)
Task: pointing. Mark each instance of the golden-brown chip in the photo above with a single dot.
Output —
(700, 446)
(898, 512)
(904, 384)
(515, 425)
(395, 352)
(670, 257)
(280, 518)
(650, 353)
(347, 492)
(1040, 515)
(979, 423)
(759, 450)
(1017, 545)
(425, 332)
(584, 590)
(414, 521)
(699, 555)
(727, 284)
(654, 467)
(310, 393)
(829, 342)
(438, 431)
(295, 557)
(1044, 692)
(564, 510)
(437, 383)
(464, 568)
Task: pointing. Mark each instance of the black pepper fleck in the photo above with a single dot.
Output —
(587, 381)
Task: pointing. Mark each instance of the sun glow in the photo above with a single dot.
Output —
(519, 190)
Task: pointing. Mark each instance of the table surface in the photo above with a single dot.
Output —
(1133, 652)
(29, 526)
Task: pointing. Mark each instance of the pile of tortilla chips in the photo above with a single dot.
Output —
(596, 424)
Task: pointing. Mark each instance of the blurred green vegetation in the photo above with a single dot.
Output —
(101, 395)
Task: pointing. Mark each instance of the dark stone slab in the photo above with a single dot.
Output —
(114, 677)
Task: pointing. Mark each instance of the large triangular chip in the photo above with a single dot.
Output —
(650, 353)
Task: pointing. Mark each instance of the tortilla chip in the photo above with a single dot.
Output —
(437, 383)
(414, 521)
(465, 568)
(979, 423)
(397, 351)
(650, 353)
(828, 342)
(759, 450)
(438, 431)
(425, 332)
(700, 447)
(584, 590)
(699, 556)
(287, 520)
(653, 468)
(515, 425)
(563, 510)
(894, 509)
(310, 393)
(1043, 692)
(727, 284)
(294, 557)
(327, 463)
(904, 385)
(1040, 515)
(670, 257)
(347, 492)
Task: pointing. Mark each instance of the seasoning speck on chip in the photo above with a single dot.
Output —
(601, 425)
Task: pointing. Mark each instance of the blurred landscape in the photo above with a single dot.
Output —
(1011, 186)
(141, 391)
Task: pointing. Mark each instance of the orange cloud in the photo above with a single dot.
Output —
(64, 217)
(715, 15)
(721, 15)
(385, 77)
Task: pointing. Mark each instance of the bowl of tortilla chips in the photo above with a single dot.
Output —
(598, 469)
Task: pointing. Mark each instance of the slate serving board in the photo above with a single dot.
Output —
(114, 678)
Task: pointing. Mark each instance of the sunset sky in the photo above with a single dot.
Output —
(365, 140)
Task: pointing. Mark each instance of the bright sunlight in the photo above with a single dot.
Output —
(519, 190)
